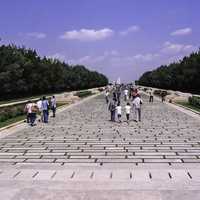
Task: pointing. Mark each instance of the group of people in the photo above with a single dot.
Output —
(41, 108)
(113, 99)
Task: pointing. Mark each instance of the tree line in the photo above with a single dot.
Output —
(24, 73)
(183, 75)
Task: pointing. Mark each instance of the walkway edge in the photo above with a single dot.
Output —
(177, 107)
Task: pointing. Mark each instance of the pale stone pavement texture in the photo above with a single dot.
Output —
(82, 155)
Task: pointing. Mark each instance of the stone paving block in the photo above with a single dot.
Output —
(75, 160)
(44, 175)
(39, 160)
(162, 160)
(63, 175)
(113, 160)
(13, 160)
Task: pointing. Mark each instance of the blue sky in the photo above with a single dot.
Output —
(120, 38)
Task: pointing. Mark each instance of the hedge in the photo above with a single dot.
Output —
(160, 92)
(83, 93)
(9, 112)
(194, 101)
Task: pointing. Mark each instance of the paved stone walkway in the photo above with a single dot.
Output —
(83, 152)
(84, 134)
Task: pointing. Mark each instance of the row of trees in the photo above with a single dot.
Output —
(183, 75)
(24, 73)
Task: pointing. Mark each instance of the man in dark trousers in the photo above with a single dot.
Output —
(112, 109)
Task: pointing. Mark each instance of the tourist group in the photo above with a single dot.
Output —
(40, 108)
(132, 100)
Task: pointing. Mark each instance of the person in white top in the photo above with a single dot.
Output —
(126, 94)
(128, 110)
(107, 96)
(137, 102)
(39, 105)
(31, 110)
(119, 112)
(27, 110)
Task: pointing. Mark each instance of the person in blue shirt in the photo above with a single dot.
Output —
(45, 109)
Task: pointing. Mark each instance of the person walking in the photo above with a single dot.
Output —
(34, 110)
(114, 97)
(112, 108)
(119, 112)
(39, 105)
(118, 95)
(128, 110)
(45, 109)
(151, 97)
(107, 96)
(137, 102)
(125, 94)
(163, 94)
(27, 110)
(53, 105)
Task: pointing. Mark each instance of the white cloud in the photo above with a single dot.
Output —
(36, 35)
(88, 34)
(131, 29)
(170, 48)
(181, 32)
(111, 53)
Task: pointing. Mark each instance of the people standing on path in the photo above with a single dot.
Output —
(53, 106)
(128, 110)
(137, 102)
(126, 94)
(31, 110)
(163, 96)
(135, 93)
(33, 115)
(114, 96)
(27, 110)
(39, 105)
(118, 95)
(119, 112)
(112, 109)
(151, 97)
(107, 96)
(45, 109)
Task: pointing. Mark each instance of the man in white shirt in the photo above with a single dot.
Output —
(137, 102)
(126, 94)
(39, 105)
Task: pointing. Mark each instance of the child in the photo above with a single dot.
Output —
(128, 110)
(119, 112)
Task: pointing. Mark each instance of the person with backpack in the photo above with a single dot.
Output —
(137, 102)
(112, 109)
(33, 115)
